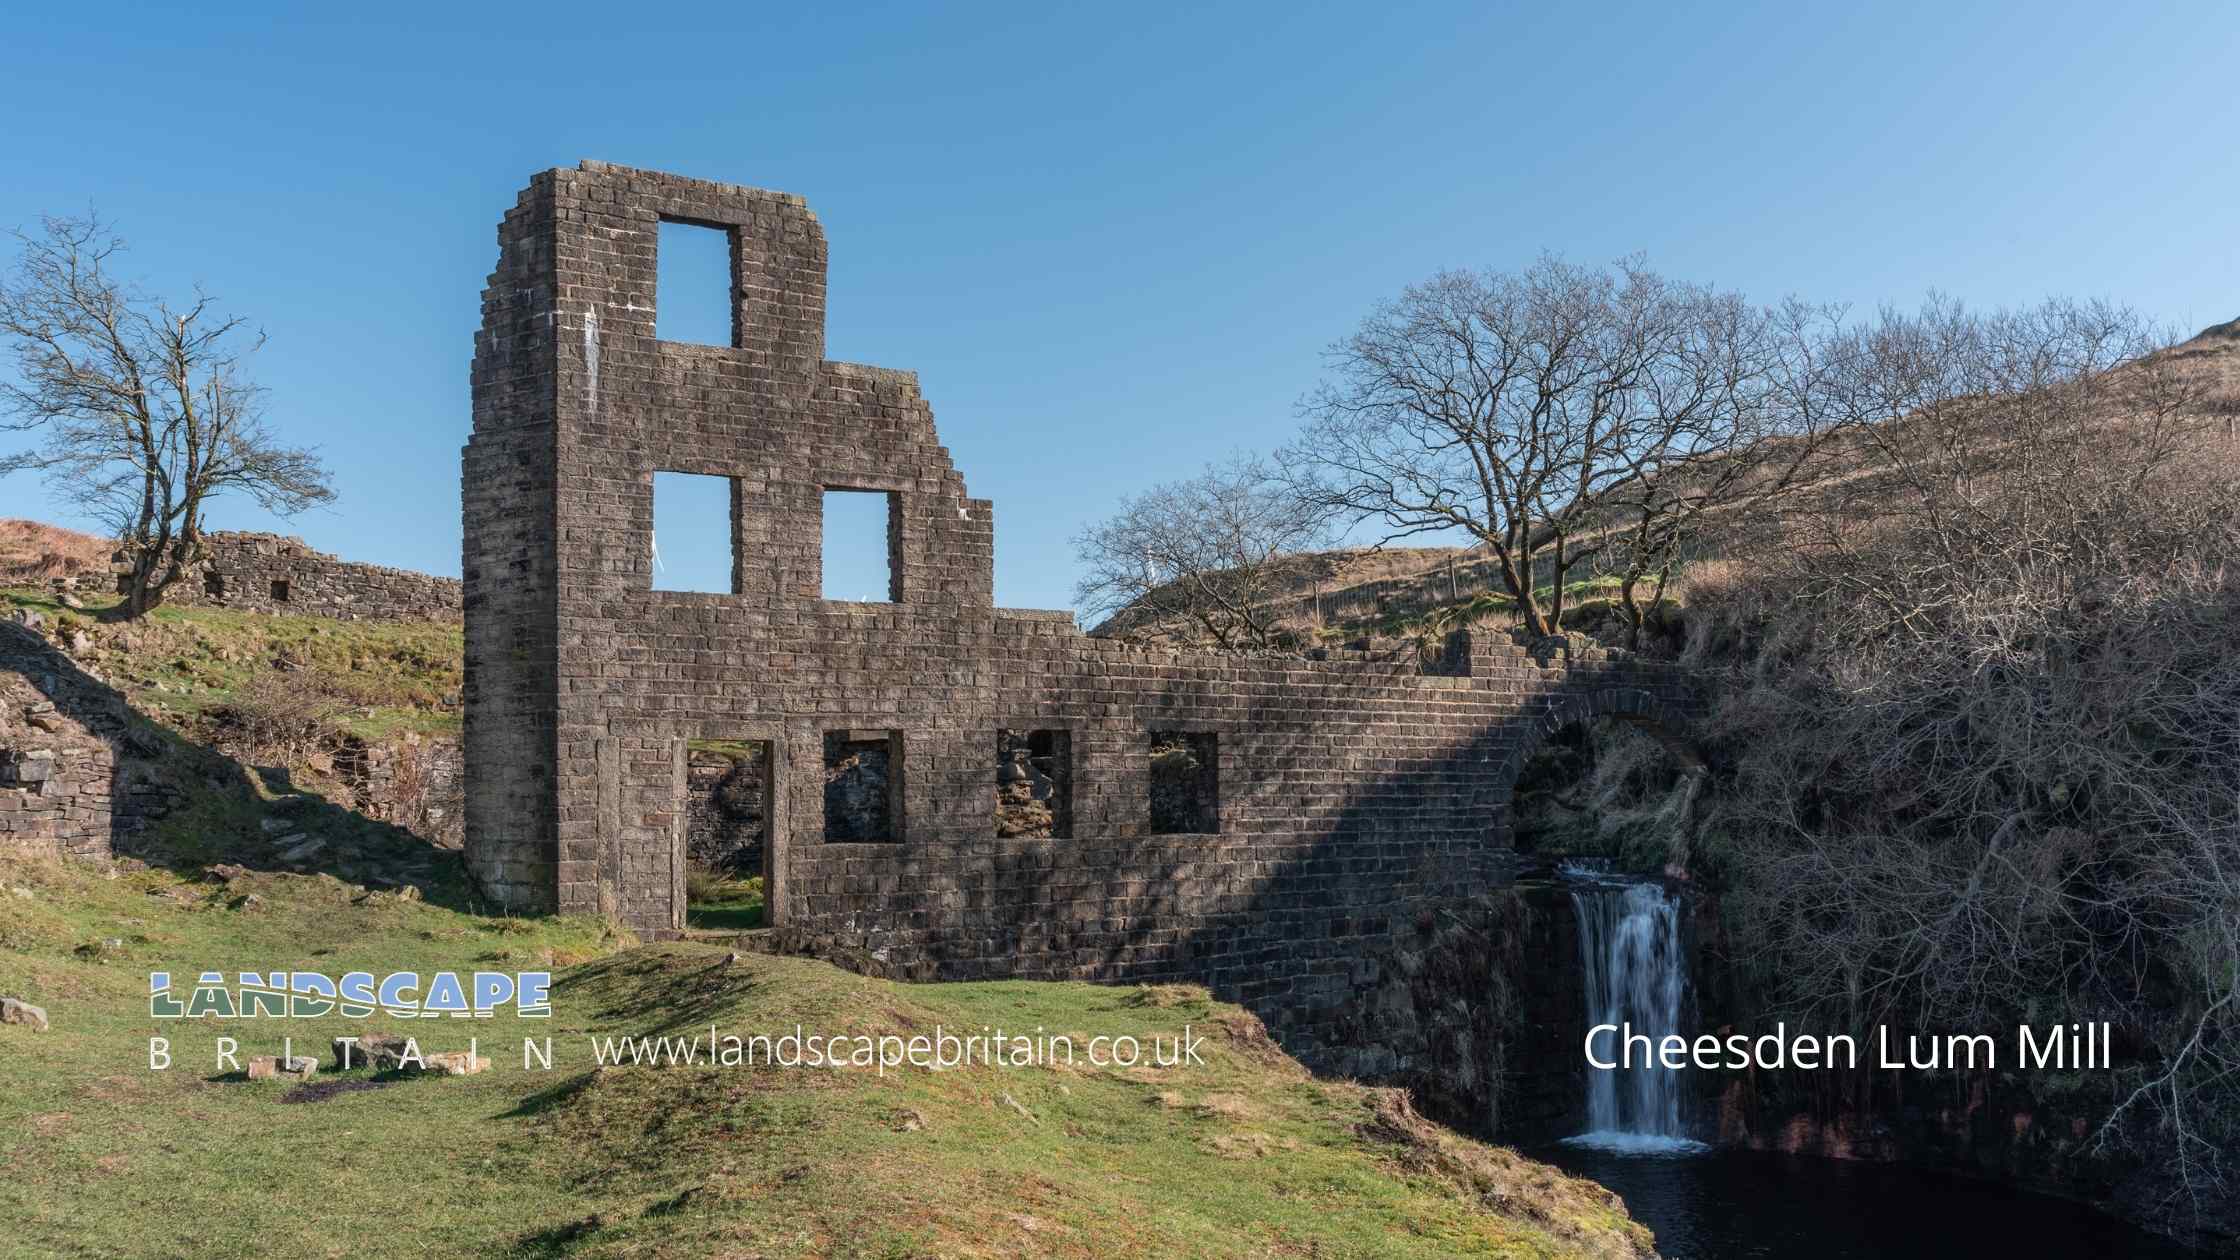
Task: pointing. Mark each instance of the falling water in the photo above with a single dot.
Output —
(1630, 950)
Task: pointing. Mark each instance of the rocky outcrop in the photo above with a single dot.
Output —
(1475, 1012)
(18, 1011)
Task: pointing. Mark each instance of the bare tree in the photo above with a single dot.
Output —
(1209, 556)
(1535, 412)
(1768, 429)
(145, 410)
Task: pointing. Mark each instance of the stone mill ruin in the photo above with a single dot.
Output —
(1257, 823)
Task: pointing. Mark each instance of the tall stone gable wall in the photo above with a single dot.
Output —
(270, 574)
(1357, 795)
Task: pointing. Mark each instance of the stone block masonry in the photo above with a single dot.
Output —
(58, 753)
(270, 574)
(1340, 801)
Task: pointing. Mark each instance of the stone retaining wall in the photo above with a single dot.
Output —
(58, 759)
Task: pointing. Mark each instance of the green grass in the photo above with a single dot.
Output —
(718, 904)
(1243, 1156)
(390, 677)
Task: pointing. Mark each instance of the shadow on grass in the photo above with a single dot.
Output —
(659, 992)
(546, 1099)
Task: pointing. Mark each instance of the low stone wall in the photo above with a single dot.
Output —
(271, 574)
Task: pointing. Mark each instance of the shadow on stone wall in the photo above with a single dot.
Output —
(1370, 946)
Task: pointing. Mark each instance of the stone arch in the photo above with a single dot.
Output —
(1665, 717)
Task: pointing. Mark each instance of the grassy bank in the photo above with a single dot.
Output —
(380, 678)
(1242, 1155)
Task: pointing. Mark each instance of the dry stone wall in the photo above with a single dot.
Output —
(1356, 794)
(58, 753)
(271, 574)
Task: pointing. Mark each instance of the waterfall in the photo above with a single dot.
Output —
(1636, 973)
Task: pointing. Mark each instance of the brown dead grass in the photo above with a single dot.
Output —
(1501, 1179)
(35, 553)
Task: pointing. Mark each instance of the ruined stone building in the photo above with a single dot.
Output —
(268, 573)
(1258, 823)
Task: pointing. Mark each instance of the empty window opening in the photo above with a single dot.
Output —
(279, 591)
(1185, 783)
(694, 533)
(860, 528)
(863, 787)
(727, 833)
(1034, 785)
(214, 584)
(692, 296)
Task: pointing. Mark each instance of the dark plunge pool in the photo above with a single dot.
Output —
(1727, 1204)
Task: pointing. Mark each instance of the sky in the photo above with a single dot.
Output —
(1112, 241)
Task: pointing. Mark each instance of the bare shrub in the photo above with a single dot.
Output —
(1984, 755)
(423, 799)
(276, 719)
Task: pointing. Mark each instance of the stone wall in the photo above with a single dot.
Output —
(58, 753)
(1355, 793)
(726, 810)
(271, 574)
(1477, 1011)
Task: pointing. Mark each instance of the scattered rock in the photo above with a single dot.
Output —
(302, 852)
(381, 1051)
(273, 825)
(455, 1063)
(17, 1011)
(226, 871)
(1019, 1107)
(70, 601)
(268, 1067)
(909, 1120)
(251, 903)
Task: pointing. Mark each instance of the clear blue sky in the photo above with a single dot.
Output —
(1112, 241)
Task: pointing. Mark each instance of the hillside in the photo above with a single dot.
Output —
(1241, 1155)
(32, 553)
(1351, 592)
